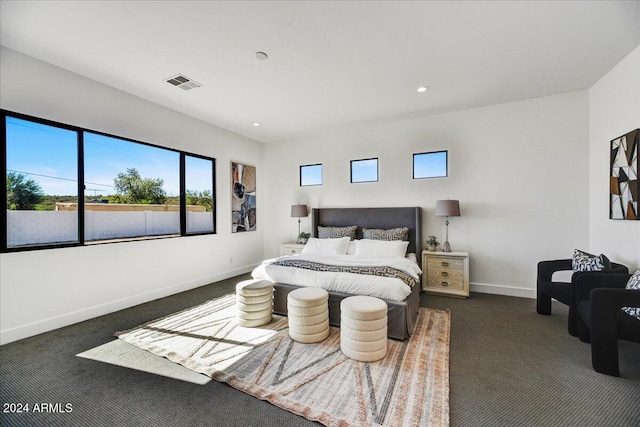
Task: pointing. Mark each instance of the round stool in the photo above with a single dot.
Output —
(363, 328)
(308, 312)
(254, 302)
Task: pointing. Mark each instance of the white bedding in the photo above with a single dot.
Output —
(388, 288)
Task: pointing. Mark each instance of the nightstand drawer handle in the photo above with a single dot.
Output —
(444, 273)
(445, 283)
(445, 264)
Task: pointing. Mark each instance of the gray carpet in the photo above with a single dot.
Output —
(509, 367)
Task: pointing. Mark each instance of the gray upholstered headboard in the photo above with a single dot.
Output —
(372, 218)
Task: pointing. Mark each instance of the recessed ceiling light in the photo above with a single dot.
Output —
(422, 89)
(256, 124)
(261, 56)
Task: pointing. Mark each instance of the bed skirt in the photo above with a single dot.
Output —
(401, 315)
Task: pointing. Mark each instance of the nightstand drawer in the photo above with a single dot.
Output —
(446, 275)
(443, 283)
(291, 248)
(445, 262)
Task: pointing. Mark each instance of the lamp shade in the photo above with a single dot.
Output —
(298, 211)
(447, 208)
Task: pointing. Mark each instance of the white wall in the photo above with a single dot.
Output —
(520, 171)
(614, 110)
(46, 289)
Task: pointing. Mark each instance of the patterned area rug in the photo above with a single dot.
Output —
(409, 387)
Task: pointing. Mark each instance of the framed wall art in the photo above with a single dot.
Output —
(243, 197)
(623, 179)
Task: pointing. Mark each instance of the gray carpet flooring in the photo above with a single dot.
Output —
(509, 367)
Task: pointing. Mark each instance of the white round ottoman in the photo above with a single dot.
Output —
(254, 302)
(363, 328)
(308, 313)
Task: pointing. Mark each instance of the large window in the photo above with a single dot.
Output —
(41, 174)
(132, 190)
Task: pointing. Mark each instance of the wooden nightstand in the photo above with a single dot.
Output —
(445, 273)
(291, 248)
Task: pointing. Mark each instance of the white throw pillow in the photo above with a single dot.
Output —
(316, 246)
(381, 248)
(351, 249)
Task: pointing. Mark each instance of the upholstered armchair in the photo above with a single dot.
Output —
(561, 291)
(601, 321)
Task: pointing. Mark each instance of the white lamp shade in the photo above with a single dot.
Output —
(447, 208)
(298, 211)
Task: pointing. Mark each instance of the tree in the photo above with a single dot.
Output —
(22, 193)
(132, 188)
(200, 198)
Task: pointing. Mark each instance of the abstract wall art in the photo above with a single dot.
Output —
(243, 197)
(623, 180)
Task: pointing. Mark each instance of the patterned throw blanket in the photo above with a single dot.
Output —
(382, 271)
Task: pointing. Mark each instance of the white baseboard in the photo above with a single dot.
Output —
(511, 291)
(46, 325)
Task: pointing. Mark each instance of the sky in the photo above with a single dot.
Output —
(430, 165)
(310, 175)
(364, 170)
(48, 155)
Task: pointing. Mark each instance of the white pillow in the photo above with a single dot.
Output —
(351, 249)
(381, 248)
(316, 246)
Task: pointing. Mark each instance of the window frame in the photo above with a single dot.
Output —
(183, 194)
(446, 164)
(321, 175)
(80, 131)
(351, 162)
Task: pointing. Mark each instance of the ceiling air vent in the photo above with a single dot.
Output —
(183, 82)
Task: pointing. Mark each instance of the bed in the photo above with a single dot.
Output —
(401, 314)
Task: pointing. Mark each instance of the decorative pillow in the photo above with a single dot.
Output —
(326, 246)
(583, 261)
(633, 283)
(335, 232)
(400, 233)
(381, 248)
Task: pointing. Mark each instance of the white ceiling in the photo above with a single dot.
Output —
(330, 63)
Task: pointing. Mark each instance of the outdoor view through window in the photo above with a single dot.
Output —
(131, 190)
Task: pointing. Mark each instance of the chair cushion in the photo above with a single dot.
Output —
(583, 261)
(633, 283)
(562, 276)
